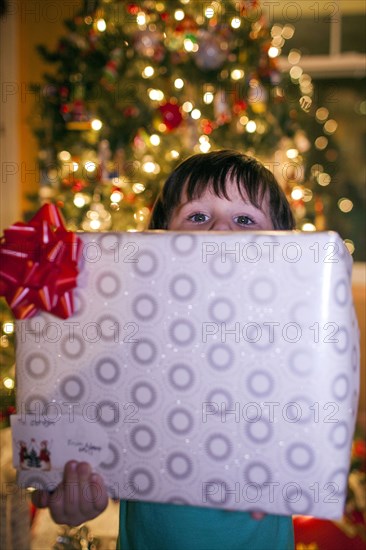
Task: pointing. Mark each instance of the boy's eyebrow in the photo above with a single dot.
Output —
(182, 205)
(188, 202)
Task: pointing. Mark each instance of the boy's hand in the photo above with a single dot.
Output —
(80, 496)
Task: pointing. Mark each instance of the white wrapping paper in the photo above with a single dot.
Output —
(223, 368)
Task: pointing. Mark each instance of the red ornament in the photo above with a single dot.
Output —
(67, 182)
(78, 185)
(207, 126)
(64, 92)
(130, 198)
(62, 46)
(359, 449)
(188, 24)
(171, 115)
(318, 205)
(131, 112)
(78, 110)
(93, 37)
(133, 9)
(245, 6)
(39, 265)
(240, 106)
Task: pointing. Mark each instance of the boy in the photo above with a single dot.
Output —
(219, 191)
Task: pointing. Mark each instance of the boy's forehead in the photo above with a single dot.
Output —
(233, 189)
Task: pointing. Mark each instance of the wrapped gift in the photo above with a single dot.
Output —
(210, 368)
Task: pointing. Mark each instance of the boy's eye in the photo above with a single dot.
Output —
(198, 218)
(244, 220)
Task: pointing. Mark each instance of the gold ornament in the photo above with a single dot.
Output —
(305, 103)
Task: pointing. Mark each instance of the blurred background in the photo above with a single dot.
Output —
(102, 99)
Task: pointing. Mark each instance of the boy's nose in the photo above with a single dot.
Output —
(220, 225)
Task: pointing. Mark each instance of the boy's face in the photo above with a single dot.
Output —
(212, 213)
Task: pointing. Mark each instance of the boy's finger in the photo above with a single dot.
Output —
(98, 492)
(84, 472)
(70, 485)
(56, 504)
(40, 499)
(70, 469)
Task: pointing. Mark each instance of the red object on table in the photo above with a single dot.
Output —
(321, 534)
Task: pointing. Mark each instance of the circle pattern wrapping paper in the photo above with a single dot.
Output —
(224, 367)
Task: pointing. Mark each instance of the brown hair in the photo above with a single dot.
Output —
(213, 170)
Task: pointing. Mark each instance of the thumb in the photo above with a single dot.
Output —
(40, 499)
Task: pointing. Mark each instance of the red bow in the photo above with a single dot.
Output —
(38, 268)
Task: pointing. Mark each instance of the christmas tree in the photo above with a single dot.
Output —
(138, 87)
(33, 459)
(7, 361)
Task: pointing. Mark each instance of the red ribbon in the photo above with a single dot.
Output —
(39, 265)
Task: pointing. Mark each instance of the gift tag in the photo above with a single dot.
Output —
(43, 446)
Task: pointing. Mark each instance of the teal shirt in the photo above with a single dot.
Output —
(152, 526)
